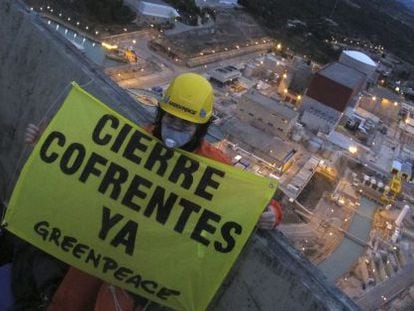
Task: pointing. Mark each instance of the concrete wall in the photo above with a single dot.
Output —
(35, 67)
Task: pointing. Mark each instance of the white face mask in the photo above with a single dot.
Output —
(173, 138)
(176, 132)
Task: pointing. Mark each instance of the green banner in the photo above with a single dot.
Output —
(103, 195)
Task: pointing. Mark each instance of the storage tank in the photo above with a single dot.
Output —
(367, 180)
(388, 266)
(271, 62)
(380, 187)
(248, 70)
(314, 146)
(373, 183)
(401, 257)
(297, 135)
(358, 61)
(392, 256)
(327, 152)
(408, 233)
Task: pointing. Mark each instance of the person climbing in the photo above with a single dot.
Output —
(183, 117)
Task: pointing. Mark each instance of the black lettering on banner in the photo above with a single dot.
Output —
(161, 155)
(116, 175)
(55, 235)
(188, 208)
(135, 280)
(203, 225)
(127, 236)
(207, 181)
(96, 135)
(41, 229)
(90, 167)
(46, 144)
(145, 284)
(163, 208)
(121, 273)
(108, 222)
(67, 243)
(185, 167)
(134, 191)
(226, 232)
(135, 143)
(164, 293)
(109, 264)
(74, 149)
(120, 138)
(94, 258)
(79, 250)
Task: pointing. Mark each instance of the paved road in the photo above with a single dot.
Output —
(139, 41)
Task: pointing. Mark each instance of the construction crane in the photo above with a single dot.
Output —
(394, 189)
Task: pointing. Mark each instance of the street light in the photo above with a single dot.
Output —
(353, 149)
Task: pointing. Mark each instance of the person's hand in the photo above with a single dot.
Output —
(267, 220)
(32, 134)
(271, 217)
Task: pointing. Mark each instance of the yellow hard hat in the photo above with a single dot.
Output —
(189, 97)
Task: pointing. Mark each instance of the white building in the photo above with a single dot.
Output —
(225, 75)
(358, 61)
(212, 3)
(154, 8)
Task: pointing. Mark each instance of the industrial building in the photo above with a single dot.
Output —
(334, 89)
(360, 62)
(266, 114)
(335, 86)
(158, 10)
(301, 76)
(225, 75)
(274, 152)
(318, 117)
(383, 103)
